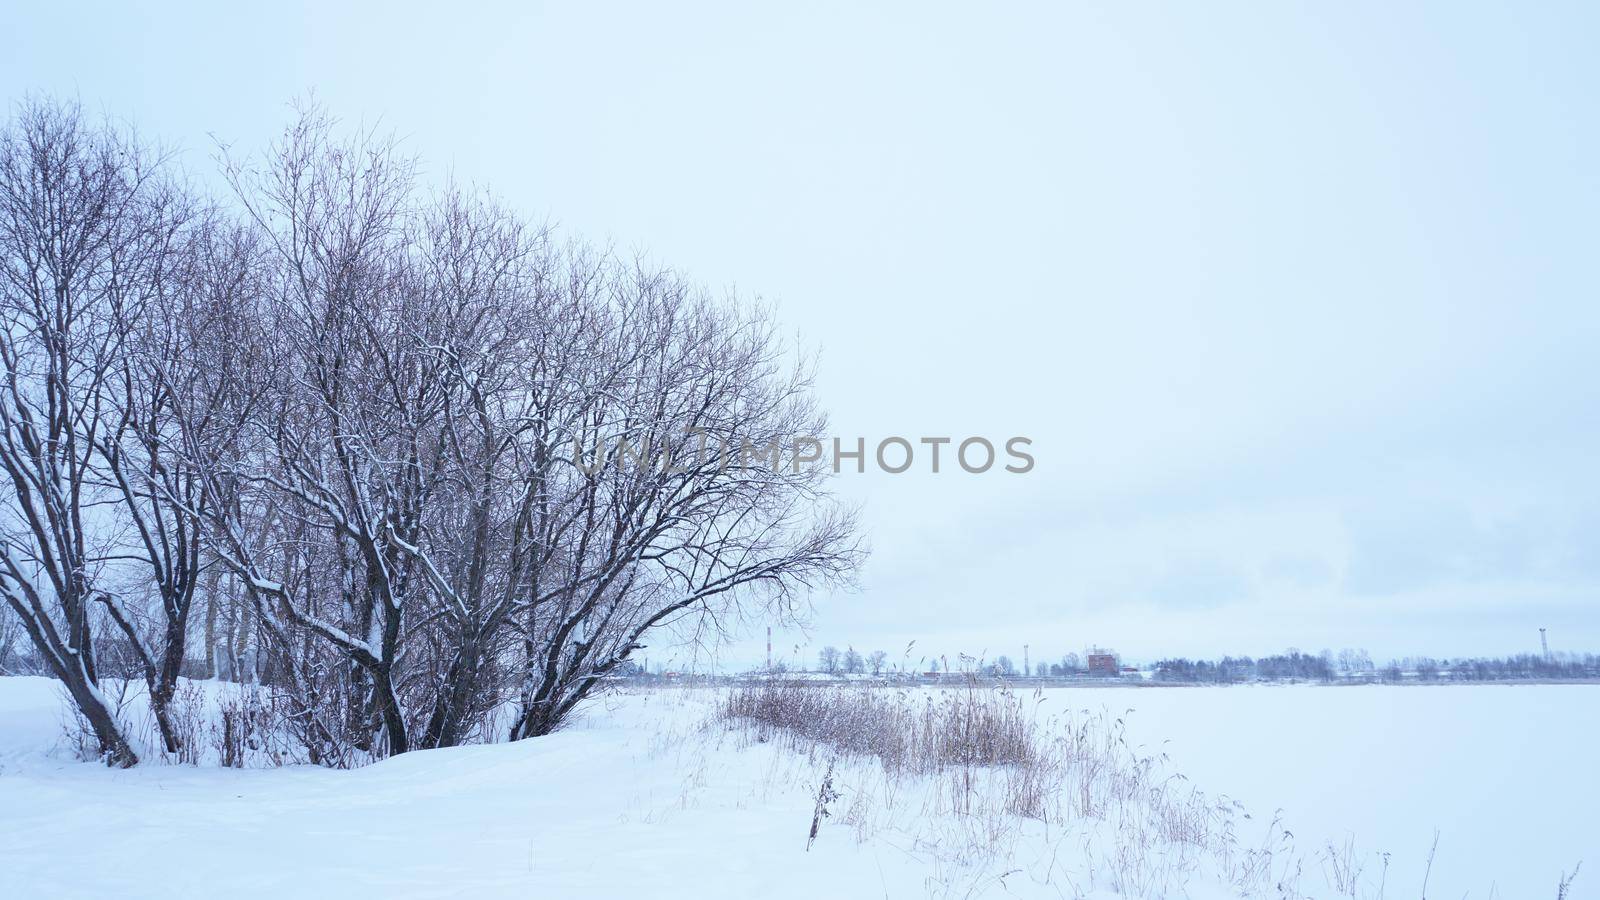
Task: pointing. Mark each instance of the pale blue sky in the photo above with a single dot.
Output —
(1298, 301)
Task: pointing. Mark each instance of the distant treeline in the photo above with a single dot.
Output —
(1356, 665)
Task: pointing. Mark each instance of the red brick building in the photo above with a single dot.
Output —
(1103, 662)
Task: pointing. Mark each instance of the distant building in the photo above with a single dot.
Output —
(1104, 662)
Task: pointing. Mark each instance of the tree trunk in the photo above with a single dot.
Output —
(114, 748)
(447, 723)
(212, 588)
(394, 724)
(166, 684)
(72, 666)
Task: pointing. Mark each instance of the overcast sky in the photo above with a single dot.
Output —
(1298, 302)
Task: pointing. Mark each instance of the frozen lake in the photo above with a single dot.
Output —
(1507, 774)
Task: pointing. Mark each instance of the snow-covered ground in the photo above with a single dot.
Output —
(614, 806)
(1507, 774)
(640, 798)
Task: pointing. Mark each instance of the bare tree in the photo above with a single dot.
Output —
(183, 351)
(875, 661)
(72, 207)
(691, 534)
(828, 660)
(412, 458)
(352, 426)
(490, 269)
(852, 662)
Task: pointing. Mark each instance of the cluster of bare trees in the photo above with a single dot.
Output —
(342, 427)
(850, 662)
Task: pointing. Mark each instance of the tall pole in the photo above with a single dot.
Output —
(1544, 644)
(769, 648)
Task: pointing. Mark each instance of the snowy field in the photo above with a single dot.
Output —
(649, 797)
(1507, 774)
